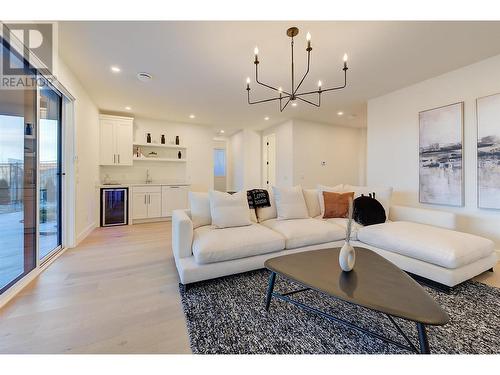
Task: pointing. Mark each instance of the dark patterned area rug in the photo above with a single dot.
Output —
(227, 315)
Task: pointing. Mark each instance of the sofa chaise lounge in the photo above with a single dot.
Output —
(421, 242)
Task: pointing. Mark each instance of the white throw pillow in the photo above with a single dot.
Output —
(332, 189)
(267, 213)
(290, 203)
(200, 209)
(229, 210)
(312, 202)
(382, 194)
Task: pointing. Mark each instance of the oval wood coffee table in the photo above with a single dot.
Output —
(374, 283)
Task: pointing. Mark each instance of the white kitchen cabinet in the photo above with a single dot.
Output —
(116, 140)
(146, 202)
(173, 198)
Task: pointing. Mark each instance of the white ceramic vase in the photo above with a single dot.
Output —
(347, 257)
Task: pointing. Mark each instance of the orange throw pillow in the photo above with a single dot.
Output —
(336, 204)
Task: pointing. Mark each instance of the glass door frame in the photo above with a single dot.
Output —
(60, 174)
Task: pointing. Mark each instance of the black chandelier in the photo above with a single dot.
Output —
(291, 96)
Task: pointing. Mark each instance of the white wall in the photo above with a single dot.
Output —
(86, 152)
(393, 138)
(342, 149)
(198, 170)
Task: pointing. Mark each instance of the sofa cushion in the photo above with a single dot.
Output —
(312, 202)
(290, 203)
(305, 232)
(229, 210)
(342, 222)
(200, 209)
(442, 247)
(212, 245)
(266, 213)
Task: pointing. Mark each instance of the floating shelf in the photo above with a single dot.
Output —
(160, 159)
(160, 145)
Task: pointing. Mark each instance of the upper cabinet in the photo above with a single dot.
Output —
(116, 140)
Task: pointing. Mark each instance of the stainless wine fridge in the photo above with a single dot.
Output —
(114, 207)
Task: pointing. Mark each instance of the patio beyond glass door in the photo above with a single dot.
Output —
(50, 172)
(18, 178)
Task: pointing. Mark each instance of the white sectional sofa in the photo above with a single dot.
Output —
(420, 241)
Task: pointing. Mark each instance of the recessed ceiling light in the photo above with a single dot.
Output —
(266, 118)
(115, 69)
(222, 131)
(192, 116)
(144, 77)
(294, 104)
(340, 113)
(128, 108)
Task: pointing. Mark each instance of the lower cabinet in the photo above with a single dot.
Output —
(146, 202)
(149, 202)
(173, 198)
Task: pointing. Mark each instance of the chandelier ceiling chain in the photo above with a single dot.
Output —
(285, 96)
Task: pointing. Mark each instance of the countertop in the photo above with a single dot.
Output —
(132, 184)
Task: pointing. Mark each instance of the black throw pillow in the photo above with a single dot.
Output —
(368, 210)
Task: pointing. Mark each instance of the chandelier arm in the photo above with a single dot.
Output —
(307, 101)
(266, 85)
(307, 72)
(264, 100)
(330, 89)
(288, 101)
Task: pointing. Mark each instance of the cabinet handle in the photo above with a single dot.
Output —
(114, 158)
(174, 187)
(145, 198)
(118, 158)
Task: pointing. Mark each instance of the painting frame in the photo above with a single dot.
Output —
(479, 139)
(452, 152)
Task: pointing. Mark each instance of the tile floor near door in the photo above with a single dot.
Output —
(115, 293)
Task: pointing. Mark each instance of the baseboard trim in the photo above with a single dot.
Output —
(8, 295)
(80, 237)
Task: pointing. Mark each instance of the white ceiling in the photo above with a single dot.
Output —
(201, 67)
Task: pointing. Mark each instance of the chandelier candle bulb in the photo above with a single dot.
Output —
(248, 83)
(308, 38)
(256, 53)
(345, 60)
(319, 85)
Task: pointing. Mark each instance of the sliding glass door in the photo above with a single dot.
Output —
(18, 177)
(49, 172)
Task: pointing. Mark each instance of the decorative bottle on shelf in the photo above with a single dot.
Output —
(162, 139)
(177, 140)
(179, 155)
(29, 129)
(347, 255)
(148, 138)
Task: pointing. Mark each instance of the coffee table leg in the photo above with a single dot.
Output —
(422, 339)
(270, 289)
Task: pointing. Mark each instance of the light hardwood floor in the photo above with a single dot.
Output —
(115, 293)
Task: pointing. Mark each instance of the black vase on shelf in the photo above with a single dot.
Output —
(29, 129)
(177, 140)
(179, 155)
(162, 139)
(148, 138)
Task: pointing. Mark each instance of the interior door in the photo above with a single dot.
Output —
(154, 205)
(139, 205)
(269, 160)
(123, 139)
(107, 143)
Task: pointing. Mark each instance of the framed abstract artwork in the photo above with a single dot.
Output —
(488, 151)
(440, 155)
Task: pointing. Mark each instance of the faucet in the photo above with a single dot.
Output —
(148, 177)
